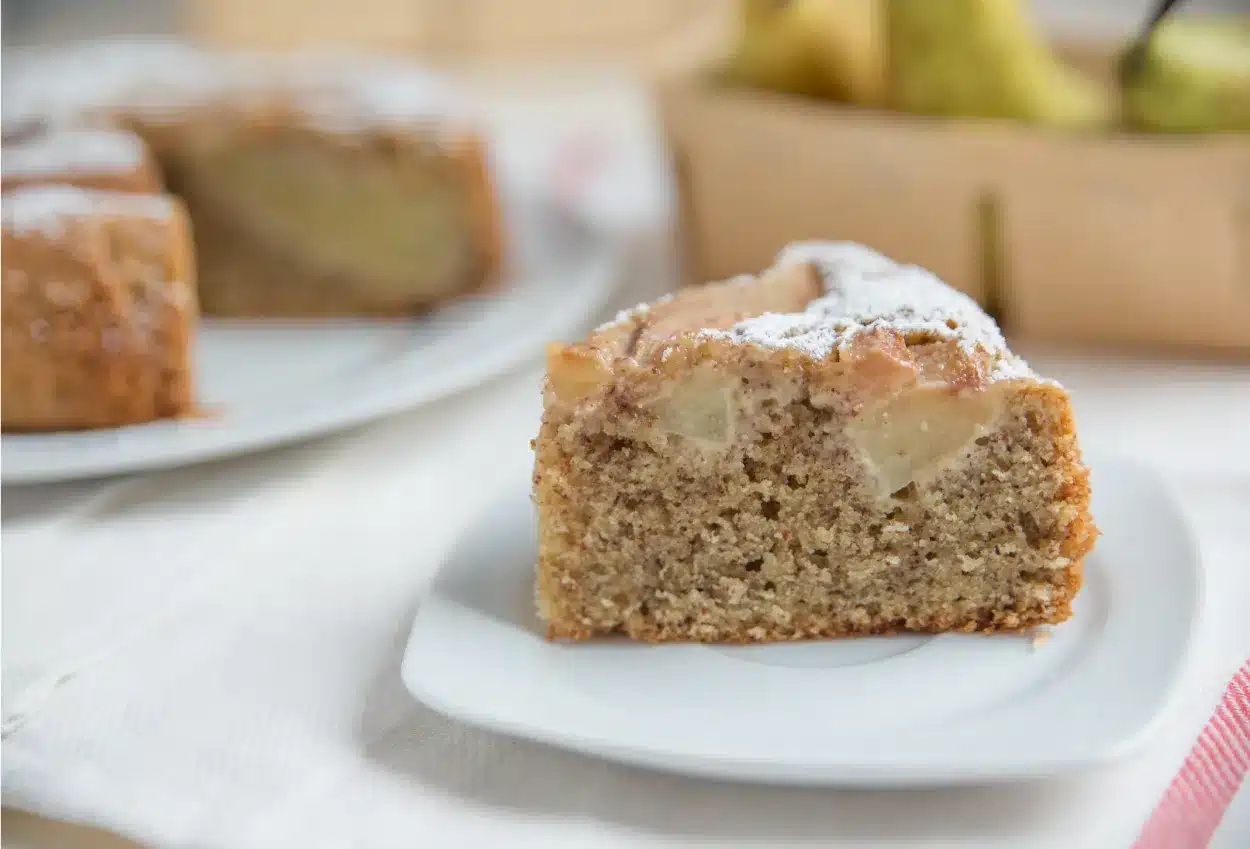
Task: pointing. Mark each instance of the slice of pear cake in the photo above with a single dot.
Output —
(840, 446)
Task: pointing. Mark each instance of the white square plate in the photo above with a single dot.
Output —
(911, 710)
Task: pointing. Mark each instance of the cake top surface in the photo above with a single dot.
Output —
(863, 291)
(71, 151)
(336, 91)
(44, 210)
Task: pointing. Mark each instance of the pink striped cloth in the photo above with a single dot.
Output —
(1192, 806)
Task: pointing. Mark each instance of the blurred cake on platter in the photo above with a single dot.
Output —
(315, 185)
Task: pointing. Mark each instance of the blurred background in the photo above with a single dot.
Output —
(1071, 216)
(533, 27)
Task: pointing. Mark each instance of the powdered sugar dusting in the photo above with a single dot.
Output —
(72, 152)
(343, 92)
(72, 84)
(632, 313)
(154, 78)
(44, 210)
(865, 290)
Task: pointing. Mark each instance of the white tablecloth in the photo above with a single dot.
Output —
(208, 657)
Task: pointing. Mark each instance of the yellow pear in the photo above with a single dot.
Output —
(983, 58)
(820, 48)
(854, 50)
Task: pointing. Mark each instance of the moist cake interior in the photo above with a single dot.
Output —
(780, 533)
(288, 223)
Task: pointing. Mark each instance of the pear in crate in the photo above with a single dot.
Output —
(1193, 77)
(984, 59)
(821, 48)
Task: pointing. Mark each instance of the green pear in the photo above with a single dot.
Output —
(820, 48)
(1193, 77)
(984, 59)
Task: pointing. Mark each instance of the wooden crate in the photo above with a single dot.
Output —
(1117, 238)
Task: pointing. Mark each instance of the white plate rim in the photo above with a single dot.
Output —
(820, 772)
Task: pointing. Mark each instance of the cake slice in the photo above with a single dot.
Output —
(99, 309)
(840, 446)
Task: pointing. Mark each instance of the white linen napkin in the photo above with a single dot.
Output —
(195, 658)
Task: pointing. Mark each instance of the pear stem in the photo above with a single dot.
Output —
(1131, 62)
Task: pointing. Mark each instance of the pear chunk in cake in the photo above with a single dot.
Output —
(840, 446)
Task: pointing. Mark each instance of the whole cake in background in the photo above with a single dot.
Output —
(840, 446)
(315, 186)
